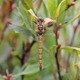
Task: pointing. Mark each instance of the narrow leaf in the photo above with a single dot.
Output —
(75, 17)
(59, 7)
(52, 6)
(68, 48)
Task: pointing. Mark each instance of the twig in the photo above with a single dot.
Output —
(25, 54)
(68, 7)
(7, 16)
(72, 42)
(74, 0)
(56, 54)
(26, 51)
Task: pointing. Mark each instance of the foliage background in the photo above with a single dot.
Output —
(19, 42)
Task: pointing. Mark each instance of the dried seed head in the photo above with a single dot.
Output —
(38, 78)
(7, 20)
(58, 34)
(59, 46)
(5, 77)
(73, 3)
(79, 22)
(54, 31)
(68, 41)
(75, 28)
(59, 26)
(11, 0)
(10, 75)
(13, 6)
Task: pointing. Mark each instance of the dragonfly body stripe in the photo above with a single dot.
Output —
(40, 56)
(40, 52)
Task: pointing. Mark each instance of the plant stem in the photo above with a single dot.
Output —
(56, 55)
(7, 16)
(71, 44)
(25, 54)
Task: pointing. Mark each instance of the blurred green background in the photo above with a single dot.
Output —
(19, 42)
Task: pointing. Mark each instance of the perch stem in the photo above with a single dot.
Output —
(56, 56)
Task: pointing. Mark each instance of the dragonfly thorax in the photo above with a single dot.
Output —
(40, 26)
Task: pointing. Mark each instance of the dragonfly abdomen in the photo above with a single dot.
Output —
(40, 52)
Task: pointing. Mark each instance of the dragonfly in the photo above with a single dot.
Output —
(41, 25)
(40, 31)
(40, 28)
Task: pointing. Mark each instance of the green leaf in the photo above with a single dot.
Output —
(24, 15)
(59, 8)
(49, 40)
(49, 77)
(5, 50)
(1, 78)
(52, 6)
(19, 47)
(70, 49)
(34, 54)
(0, 1)
(59, 2)
(61, 13)
(15, 71)
(62, 6)
(67, 48)
(18, 50)
(45, 9)
(75, 17)
(20, 29)
(26, 18)
(27, 4)
(31, 69)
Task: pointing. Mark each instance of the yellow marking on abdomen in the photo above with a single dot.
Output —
(40, 53)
